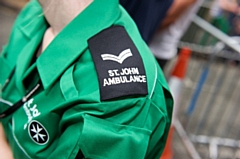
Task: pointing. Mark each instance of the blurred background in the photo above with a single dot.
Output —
(204, 79)
(8, 12)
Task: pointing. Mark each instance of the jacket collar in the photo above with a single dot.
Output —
(32, 24)
(32, 19)
(70, 43)
(67, 46)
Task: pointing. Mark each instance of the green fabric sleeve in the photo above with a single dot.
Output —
(105, 131)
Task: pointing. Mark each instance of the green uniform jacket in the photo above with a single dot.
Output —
(74, 112)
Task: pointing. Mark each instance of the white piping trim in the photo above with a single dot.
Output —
(15, 138)
(155, 81)
(6, 102)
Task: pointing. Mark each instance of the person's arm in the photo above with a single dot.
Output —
(177, 8)
(5, 150)
(229, 5)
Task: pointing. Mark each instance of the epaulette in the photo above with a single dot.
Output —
(118, 63)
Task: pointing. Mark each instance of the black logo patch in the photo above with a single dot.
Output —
(118, 63)
(38, 133)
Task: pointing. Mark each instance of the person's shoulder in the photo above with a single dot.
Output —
(123, 61)
(114, 63)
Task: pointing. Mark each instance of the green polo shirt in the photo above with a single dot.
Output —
(105, 107)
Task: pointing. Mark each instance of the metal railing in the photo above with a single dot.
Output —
(209, 115)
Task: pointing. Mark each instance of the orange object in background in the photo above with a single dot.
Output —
(175, 84)
(168, 152)
(182, 63)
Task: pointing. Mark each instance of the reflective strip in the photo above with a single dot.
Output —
(6, 102)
